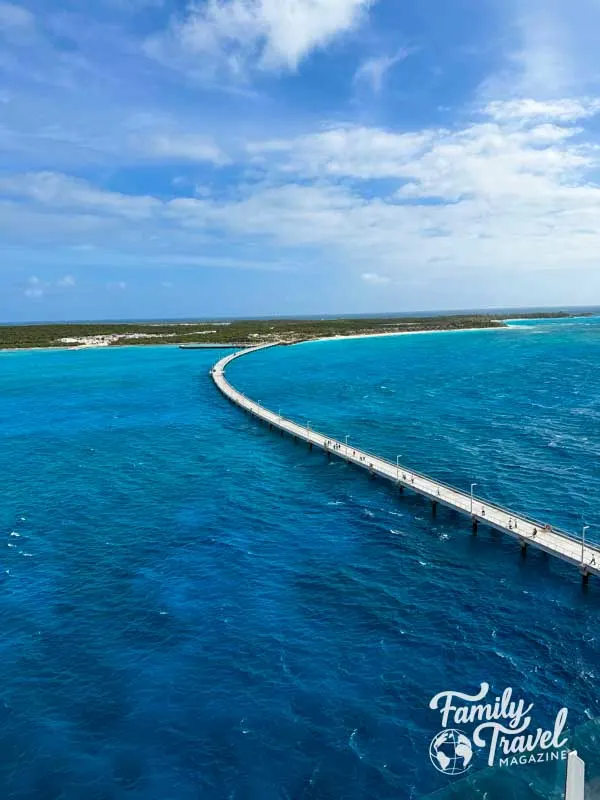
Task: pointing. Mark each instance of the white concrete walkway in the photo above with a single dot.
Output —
(527, 531)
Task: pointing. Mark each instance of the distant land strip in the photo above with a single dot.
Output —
(240, 333)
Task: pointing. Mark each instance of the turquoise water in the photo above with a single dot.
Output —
(195, 607)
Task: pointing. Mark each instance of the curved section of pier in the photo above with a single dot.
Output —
(528, 532)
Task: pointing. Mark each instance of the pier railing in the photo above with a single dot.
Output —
(563, 543)
(476, 499)
(248, 402)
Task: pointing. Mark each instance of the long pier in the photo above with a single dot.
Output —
(213, 345)
(526, 531)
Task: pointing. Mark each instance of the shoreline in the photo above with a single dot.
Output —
(62, 348)
(337, 338)
(404, 333)
(305, 341)
(35, 349)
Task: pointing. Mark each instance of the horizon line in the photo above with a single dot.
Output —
(313, 316)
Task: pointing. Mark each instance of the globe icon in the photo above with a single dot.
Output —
(450, 752)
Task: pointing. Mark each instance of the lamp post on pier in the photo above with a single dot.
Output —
(398, 467)
(473, 485)
(346, 438)
(585, 527)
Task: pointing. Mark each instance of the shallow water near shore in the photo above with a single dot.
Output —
(193, 606)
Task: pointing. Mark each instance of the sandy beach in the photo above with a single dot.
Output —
(404, 333)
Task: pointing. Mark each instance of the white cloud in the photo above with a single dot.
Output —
(35, 288)
(542, 60)
(373, 70)
(518, 147)
(237, 36)
(118, 286)
(375, 279)
(62, 191)
(294, 214)
(13, 17)
(186, 147)
(346, 151)
(550, 49)
(515, 190)
(528, 109)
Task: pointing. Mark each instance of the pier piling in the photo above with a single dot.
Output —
(585, 556)
(523, 544)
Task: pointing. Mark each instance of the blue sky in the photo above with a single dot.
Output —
(250, 157)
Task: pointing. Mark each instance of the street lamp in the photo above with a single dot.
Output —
(473, 485)
(308, 428)
(585, 527)
(398, 467)
(347, 437)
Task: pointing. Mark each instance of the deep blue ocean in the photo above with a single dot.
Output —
(194, 607)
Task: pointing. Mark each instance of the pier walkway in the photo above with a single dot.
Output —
(213, 345)
(528, 532)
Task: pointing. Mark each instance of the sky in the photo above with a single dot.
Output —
(164, 159)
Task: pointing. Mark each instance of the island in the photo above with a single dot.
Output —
(241, 333)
